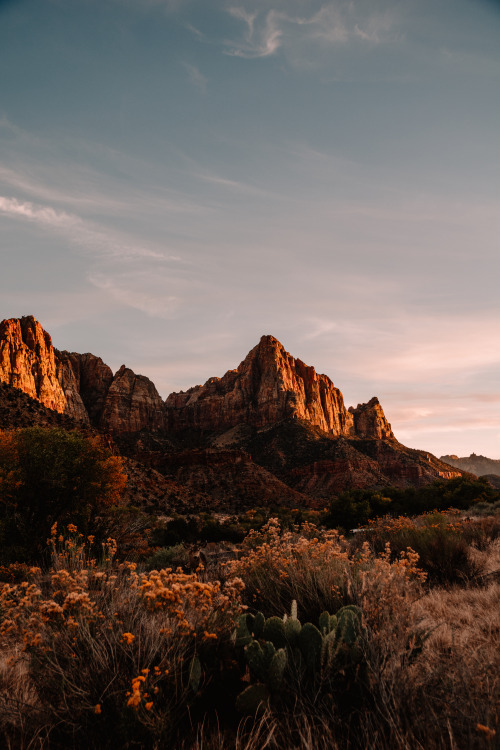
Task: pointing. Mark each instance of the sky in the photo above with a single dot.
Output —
(180, 177)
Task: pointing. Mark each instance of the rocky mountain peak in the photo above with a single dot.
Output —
(28, 362)
(270, 386)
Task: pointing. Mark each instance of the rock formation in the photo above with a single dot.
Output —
(370, 421)
(93, 379)
(270, 386)
(273, 431)
(132, 403)
(28, 362)
(78, 385)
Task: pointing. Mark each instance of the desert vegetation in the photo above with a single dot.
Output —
(302, 637)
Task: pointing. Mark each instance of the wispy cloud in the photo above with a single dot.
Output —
(258, 41)
(196, 77)
(84, 234)
(332, 24)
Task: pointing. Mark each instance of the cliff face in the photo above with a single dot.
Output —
(93, 379)
(28, 362)
(270, 386)
(78, 385)
(132, 403)
(370, 422)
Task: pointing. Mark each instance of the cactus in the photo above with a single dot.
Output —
(253, 699)
(274, 631)
(259, 657)
(310, 643)
(258, 624)
(292, 631)
(270, 645)
(194, 674)
(349, 624)
(243, 633)
(277, 669)
(327, 622)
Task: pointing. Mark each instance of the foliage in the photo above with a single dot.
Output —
(108, 649)
(439, 539)
(97, 654)
(48, 476)
(356, 507)
(317, 569)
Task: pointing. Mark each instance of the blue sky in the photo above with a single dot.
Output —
(179, 177)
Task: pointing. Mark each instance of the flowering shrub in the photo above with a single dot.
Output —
(317, 568)
(437, 537)
(110, 644)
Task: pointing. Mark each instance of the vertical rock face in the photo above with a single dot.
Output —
(28, 362)
(132, 403)
(269, 386)
(93, 379)
(370, 421)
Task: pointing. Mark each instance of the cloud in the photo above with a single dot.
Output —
(331, 25)
(196, 77)
(88, 236)
(40, 214)
(260, 42)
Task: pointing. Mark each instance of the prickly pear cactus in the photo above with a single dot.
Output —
(310, 643)
(253, 699)
(274, 631)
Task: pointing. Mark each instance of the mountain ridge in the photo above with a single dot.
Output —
(271, 431)
(268, 386)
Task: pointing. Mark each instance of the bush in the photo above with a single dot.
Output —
(52, 476)
(107, 652)
(437, 538)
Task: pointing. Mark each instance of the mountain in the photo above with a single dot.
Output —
(270, 386)
(271, 431)
(479, 465)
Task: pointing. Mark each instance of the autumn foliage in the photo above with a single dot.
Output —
(48, 476)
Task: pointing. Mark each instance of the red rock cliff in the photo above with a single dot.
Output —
(132, 404)
(267, 387)
(28, 362)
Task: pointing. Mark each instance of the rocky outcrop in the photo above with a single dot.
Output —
(78, 385)
(132, 403)
(270, 386)
(93, 380)
(28, 362)
(370, 422)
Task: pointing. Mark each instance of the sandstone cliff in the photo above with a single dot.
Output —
(270, 386)
(28, 362)
(132, 403)
(78, 385)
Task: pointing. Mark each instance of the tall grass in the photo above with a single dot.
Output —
(97, 654)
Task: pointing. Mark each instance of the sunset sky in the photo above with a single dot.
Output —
(179, 177)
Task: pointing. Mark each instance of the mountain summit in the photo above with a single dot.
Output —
(269, 386)
(271, 431)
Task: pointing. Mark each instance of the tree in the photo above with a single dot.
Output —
(53, 475)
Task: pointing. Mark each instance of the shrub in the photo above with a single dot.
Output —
(48, 476)
(437, 538)
(317, 569)
(108, 651)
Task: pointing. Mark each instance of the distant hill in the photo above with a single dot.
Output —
(479, 465)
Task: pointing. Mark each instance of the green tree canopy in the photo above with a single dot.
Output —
(49, 475)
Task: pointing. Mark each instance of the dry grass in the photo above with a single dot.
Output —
(100, 655)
